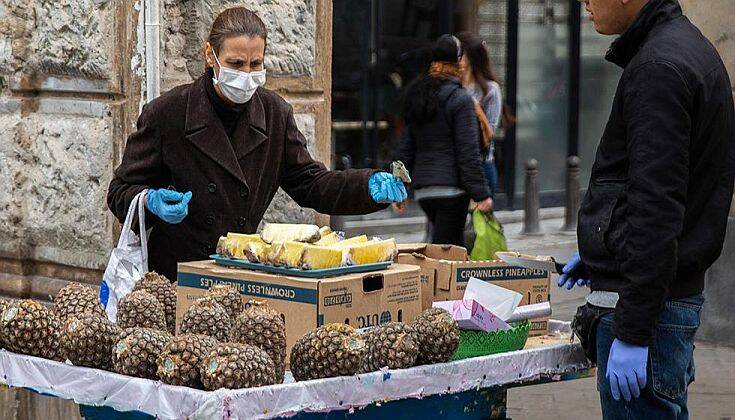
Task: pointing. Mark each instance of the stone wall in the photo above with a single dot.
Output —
(71, 82)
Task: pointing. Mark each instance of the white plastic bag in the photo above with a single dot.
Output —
(128, 261)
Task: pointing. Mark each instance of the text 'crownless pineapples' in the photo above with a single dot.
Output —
(136, 351)
(179, 362)
(76, 298)
(88, 340)
(264, 328)
(235, 366)
(438, 336)
(206, 316)
(328, 351)
(141, 309)
(163, 290)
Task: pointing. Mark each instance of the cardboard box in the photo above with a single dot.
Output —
(447, 271)
(361, 300)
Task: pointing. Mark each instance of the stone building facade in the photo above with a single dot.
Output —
(72, 81)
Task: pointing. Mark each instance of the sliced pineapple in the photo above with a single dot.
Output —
(288, 254)
(235, 244)
(257, 252)
(320, 257)
(328, 239)
(350, 242)
(372, 252)
(325, 230)
(281, 232)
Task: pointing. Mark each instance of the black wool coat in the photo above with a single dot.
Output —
(181, 143)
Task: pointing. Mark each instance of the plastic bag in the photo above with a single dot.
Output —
(489, 237)
(128, 261)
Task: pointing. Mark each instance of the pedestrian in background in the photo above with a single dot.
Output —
(479, 80)
(441, 145)
(655, 213)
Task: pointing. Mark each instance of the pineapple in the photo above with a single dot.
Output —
(76, 298)
(399, 171)
(438, 336)
(347, 243)
(28, 327)
(88, 340)
(235, 366)
(179, 362)
(329, 239)
(328, 351)
(207, 317)
(258, 252)
(372, 252)
(141, 309)
(277, 232)
(264, 328)
(318, 258)
(136, 351)
(288, 254)
(163, 290)
(227, 296)
(394, 345)
(235, 245)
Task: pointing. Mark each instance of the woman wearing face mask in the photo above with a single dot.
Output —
(213, 153)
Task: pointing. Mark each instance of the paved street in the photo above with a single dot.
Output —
(712, 396)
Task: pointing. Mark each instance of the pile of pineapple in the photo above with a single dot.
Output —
(305, 247)
(222, 342)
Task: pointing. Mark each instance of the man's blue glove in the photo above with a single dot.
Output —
(626, 369)
(170, 206)
(574, 272)
(385, 188)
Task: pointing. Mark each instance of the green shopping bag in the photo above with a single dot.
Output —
(489, 237)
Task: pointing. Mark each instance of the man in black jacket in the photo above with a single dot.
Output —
(655, 213)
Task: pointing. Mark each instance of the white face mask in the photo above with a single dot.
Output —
(237, 86)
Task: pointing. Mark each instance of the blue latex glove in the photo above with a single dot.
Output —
(626, 369)
(170, 206)
(385, 188)
(574, 272)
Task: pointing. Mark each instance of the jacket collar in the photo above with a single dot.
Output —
(203, 129)
(656, 12)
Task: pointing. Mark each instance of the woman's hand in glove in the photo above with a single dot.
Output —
(574, 272)
(626, 370)
(170, 206)
(385, 188)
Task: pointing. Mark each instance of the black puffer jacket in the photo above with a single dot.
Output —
(655, 213)
(446, 150)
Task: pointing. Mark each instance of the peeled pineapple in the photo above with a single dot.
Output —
(236, 245)
(258, 252)
(372, 252)
(356, 240)
(287, 254)
(281, 232)
(325, 230)
(319, 258)
(328, 239)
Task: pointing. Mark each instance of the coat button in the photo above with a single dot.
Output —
(212, 187)
(599, 228)
(241, 221)
(210, 220)
(244, 192)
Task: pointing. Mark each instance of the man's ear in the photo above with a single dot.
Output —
(208, 55)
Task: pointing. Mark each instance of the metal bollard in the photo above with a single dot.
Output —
(531, 200)
(572, 195)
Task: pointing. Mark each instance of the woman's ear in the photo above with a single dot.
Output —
(208, 55)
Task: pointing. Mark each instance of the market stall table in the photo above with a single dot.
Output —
(470, 388)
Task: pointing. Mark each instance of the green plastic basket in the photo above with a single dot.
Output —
(480, 343)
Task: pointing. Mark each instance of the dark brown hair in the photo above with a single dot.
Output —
(482, 71)
(236, 21)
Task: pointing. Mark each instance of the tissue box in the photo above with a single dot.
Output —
(470, 315)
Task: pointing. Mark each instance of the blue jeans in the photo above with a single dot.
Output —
(670, 365)
(491, 173)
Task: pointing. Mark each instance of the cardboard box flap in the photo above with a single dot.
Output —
(437, 252)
